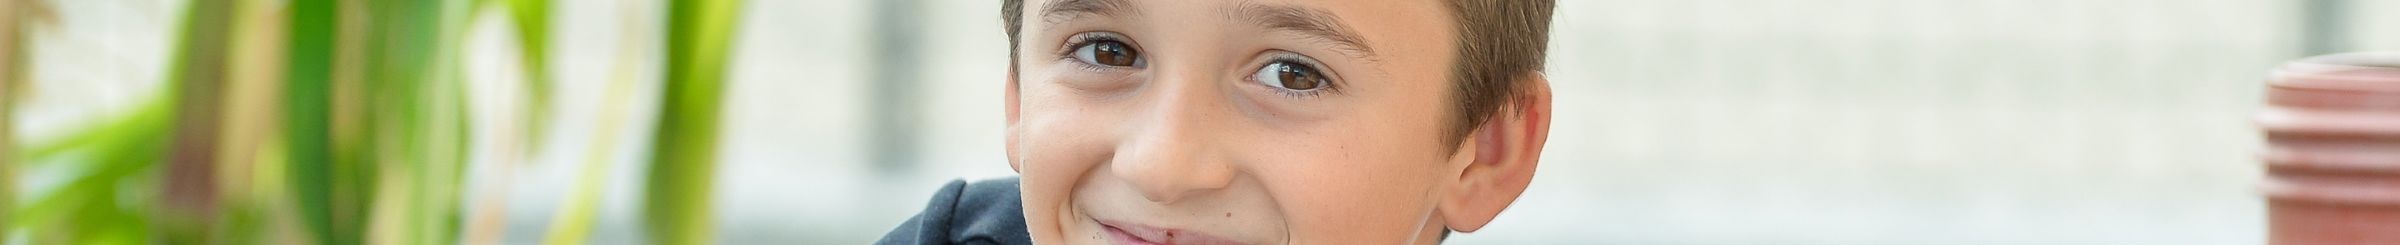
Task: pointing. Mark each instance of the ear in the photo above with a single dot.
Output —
(1504, 151)
(1011, 109)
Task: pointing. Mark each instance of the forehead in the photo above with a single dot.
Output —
(1046, 7)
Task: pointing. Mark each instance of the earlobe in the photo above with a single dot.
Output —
(1507, 148)
(1011, 115)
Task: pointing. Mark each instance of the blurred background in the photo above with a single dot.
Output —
(830, 122)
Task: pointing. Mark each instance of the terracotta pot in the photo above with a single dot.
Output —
(2332, 125)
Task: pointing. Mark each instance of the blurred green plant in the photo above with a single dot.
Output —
(572, 222)
(117, 156)
(532, 18)
(378, 119)
(15, 16)
(339, 122)
(189, 186)
(325, 183)
(122, 156)
(683, 152)
(393, 139)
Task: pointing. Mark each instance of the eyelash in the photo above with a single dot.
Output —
(1077, 41)
(1332, 84)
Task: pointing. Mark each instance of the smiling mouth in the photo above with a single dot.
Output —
(1142, 235)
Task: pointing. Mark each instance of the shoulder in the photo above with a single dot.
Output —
(961, 212)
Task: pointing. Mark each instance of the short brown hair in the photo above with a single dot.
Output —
(1500, 43)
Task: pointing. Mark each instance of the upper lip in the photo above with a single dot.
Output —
(1158, 235)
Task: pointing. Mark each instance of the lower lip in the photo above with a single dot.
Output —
(1118, 236)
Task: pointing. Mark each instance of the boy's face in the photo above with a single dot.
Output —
(1238, 122)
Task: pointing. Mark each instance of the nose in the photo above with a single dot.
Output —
(1172, 154)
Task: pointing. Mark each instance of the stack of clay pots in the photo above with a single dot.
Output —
(2332, 156)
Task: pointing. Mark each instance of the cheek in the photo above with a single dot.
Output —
(1059, 137)
(1364, 186)
(1058, 143)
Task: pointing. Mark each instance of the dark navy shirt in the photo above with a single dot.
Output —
(984, 212)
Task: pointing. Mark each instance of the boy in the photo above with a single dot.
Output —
(1257, 122)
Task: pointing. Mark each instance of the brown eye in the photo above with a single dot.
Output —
(1288, 75)
(1108, 53)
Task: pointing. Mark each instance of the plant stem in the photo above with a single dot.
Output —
(189, 188)
(533, 37)
(683, 156)
(572, 224)
(12, 72)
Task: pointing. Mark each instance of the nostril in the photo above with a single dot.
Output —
(1170, 177)
(1167, 159)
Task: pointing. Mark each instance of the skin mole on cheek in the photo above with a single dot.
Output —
(1228, 214)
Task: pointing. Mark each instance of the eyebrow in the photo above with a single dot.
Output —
(1062, 10)
(1308, 22)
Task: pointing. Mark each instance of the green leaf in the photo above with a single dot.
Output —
(327, 204)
